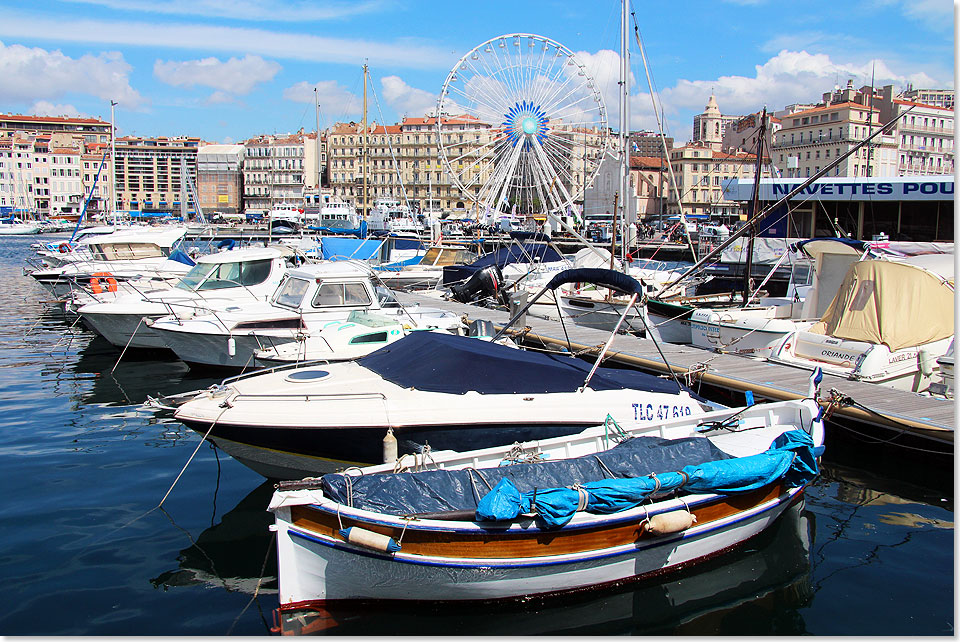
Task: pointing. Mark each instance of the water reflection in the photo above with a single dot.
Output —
(758, 589)
(225, 555)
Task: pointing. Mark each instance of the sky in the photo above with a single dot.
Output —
(227, 70)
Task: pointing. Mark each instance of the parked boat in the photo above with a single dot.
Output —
(548, 517)
(424, 271)
(756, 328)
(11, 226)
(120, 256)
(888, 324)
(452, 392)
(223, 278)
(304, 303)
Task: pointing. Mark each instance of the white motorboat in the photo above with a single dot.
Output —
(424, 271)
(947, 379)
(450, 391)
(888, 323)
(390, 215)
(247, 274)
(14, 227)
(119, 256)
(755, 329)
(544, 517)
(303, 304)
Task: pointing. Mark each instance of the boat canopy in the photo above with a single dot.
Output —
(514, 253)
(452, 364)
(891, 302)
(834, 245)
(608, 278)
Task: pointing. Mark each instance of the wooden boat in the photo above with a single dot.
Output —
(428, 528)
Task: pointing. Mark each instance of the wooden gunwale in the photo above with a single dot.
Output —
(499, 543)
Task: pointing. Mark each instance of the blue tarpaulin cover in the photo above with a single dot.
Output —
(450, 490)
(181, 257)
(438, 362)
(344, 247)
(790, 457)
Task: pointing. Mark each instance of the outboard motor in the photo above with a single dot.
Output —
(486, 282)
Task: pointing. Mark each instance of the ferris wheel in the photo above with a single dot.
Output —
(522, 126)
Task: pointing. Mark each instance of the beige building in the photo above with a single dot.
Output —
(89, 130)
(148, 173)
(710, 126)
(813, 138)
(936, 97)
(701, 173)
(273, 172)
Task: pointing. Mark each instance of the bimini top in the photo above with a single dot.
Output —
(436, 362)
(608, 278)
(835, 245)
(160, 236)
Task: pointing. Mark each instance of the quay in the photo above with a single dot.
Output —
(926, 417)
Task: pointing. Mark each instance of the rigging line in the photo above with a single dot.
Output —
(129, 341)
(256, 591)
(663, 140)
(396, 165)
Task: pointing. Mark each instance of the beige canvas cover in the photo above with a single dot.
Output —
(892, 303)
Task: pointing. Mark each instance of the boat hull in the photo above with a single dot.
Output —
(444, 561)
(125, 330)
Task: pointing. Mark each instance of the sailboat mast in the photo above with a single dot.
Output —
(113, 164)
(754, 207)
(363, 199)
(316, 97)
(624, 126)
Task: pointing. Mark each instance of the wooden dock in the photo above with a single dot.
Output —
(909, 412)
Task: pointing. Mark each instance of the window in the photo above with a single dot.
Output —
(341, 294)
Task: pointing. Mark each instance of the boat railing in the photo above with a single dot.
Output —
(307, 396)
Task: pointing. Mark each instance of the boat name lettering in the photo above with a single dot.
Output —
(837, 355)
(906, 356)
(661, 412)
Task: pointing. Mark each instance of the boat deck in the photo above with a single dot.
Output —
(925, 416)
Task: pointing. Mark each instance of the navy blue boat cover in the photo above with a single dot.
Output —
(449, 490)
(437, 362)
(614, 480)
(600, 276)
(510, 254)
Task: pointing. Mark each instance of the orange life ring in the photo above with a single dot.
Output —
(111, 283)
(64, 248)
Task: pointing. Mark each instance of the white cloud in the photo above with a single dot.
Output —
(34, 74)
(274, 44)
(407, 100)
(336, 103)
(220, 98)
(46, 108)
(281, 11)
(236, 75)
(789, 77)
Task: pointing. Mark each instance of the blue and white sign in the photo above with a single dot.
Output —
(898, 188)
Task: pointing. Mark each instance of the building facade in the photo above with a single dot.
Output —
(273, 172)
(220, 178)
(701, 173)
(710, 126)
(148, 173)
(924, 136)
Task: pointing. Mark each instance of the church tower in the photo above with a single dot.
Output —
(708, 126)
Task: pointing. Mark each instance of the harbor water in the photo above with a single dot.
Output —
(87, 549)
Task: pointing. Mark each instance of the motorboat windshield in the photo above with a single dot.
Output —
(291, 292)
(219, 276)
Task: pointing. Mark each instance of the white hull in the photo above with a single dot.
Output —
(319, 569)
(748, 332)
(909, 369)
(125, 330)
(213, 349)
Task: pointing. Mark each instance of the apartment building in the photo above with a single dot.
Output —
(924, 135)
(937, 97)
(148, 173)
(88, 130)
(273, 172)
(701, 173)
(813, 138)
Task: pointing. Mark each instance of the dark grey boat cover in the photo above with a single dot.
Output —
(437, 362)
(454, 490)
